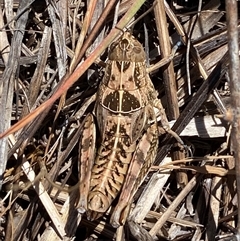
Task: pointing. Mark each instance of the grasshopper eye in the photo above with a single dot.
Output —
(137, 50)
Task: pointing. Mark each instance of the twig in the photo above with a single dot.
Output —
(232, 21)
(174, 205)
(45, 199)
(168, 71)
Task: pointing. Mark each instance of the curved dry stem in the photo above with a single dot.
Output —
(70, 80)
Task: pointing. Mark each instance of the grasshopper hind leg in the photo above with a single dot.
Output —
(142, 160)
(86, 161)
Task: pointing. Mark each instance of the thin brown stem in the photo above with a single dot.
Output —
(232, 21)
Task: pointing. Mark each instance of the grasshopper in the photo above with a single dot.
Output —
(125, 117)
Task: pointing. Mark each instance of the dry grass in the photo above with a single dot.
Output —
(52, 57)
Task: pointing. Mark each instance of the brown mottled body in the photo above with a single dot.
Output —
(124, 111)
